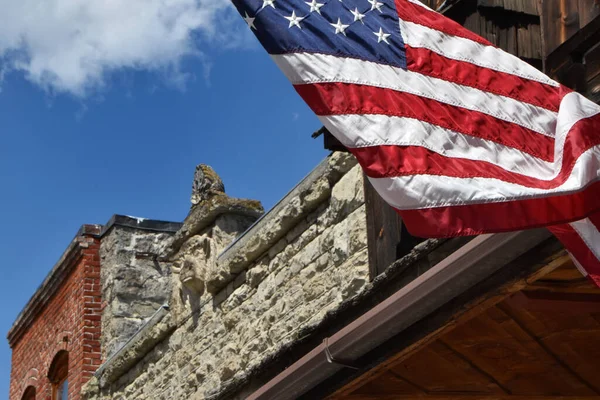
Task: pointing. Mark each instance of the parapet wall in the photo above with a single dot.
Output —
(232, 311)
(135, 283)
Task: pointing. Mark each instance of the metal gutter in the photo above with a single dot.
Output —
(463, 269)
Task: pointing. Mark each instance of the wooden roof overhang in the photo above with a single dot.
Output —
(505, 317)
(538, 340)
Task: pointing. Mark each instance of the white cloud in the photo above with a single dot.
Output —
(71, 45)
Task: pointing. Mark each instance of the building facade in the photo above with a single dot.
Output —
(56, 341)
(327, 296)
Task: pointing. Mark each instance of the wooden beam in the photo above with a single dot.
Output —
(467, 396)
(574, 48)
(575, 303)
(469, 311)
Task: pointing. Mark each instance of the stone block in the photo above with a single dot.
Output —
(256, 274)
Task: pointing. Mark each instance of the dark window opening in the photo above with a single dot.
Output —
(58, 376)
(29, 393)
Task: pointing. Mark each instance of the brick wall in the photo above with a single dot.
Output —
(65, 316)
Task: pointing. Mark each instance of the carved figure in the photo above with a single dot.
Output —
(206, 183)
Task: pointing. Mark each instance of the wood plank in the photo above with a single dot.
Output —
(572, 303)
(566, 279)
(469, 311)
(502, 348)
(583, 286)
(580, 42)
(571, 336)
(461, 396)
(389, 384)
(387, 238)
(438, 369)
(588, 10)
(561, 21)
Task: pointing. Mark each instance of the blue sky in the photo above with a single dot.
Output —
(86, 137)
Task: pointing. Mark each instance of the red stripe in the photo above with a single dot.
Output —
(595, 218)
(430, 63)
(431, 19)
(344, 98)
(390, 161)
(475, 219)
(578, 249)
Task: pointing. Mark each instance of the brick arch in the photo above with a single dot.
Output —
(31, 379)
(61, 342)
(60, 361)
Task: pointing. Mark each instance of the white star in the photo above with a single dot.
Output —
(250, 21)
(357, 15)
(294, 20)
(314, 6)
(339, 27)
(382, 36)
(268, 3)
(375, 5)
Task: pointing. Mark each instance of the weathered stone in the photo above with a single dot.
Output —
(274, 282)
(206, 212)
(255, 275)
(193, 274)
(306, 197)
(347, 195)
(206, 183)
(134, 287)
(357, 230)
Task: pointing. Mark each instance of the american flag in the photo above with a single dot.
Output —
(457, 135)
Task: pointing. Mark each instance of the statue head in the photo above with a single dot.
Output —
(206, 183)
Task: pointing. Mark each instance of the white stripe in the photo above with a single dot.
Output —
(589, 234)
(578, 265)
(418, 3)
(427, 191)
(357, 130)
(461, 49)
(573, 108)
(305, 68)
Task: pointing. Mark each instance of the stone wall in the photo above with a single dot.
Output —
(232, 312)
(135, 283)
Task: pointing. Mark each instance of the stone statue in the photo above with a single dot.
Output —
(206, 183)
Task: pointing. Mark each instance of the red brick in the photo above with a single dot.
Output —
(73, 311)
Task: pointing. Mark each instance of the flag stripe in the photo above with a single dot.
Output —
(501, 217)
(428, 191)
(589, 234)
(341, 98)
(410, 11)
(461, 49)
(427, 62)
(304, 68)
(580, 246)
(390, 161)
(358, 130)
(459, 135)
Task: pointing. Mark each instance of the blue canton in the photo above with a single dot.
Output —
(364, 29)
